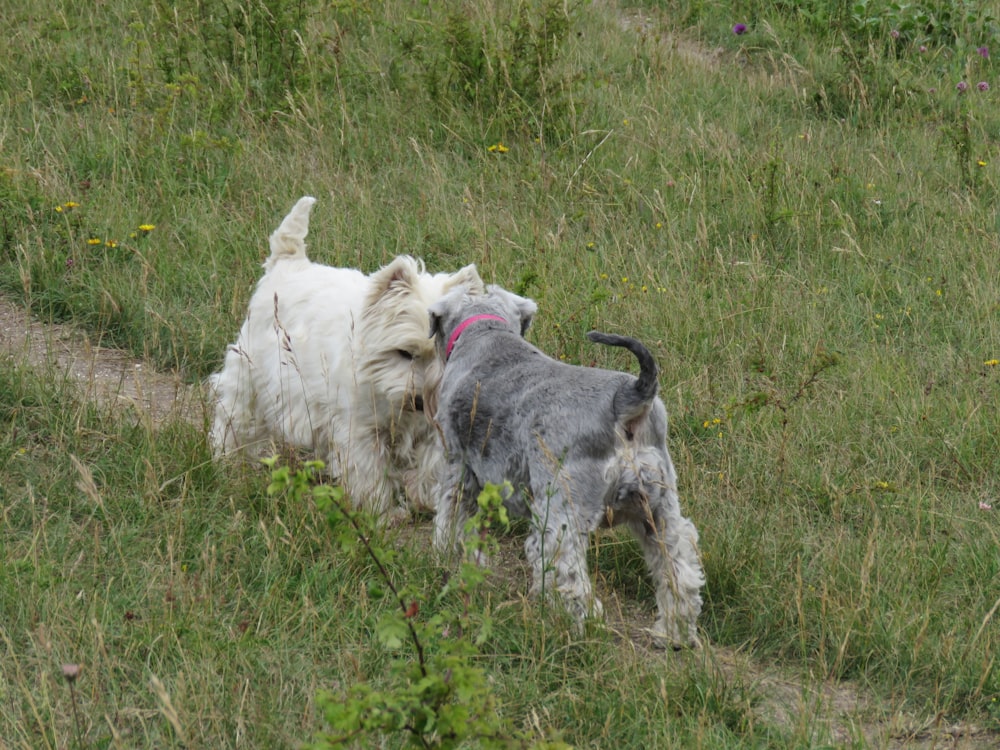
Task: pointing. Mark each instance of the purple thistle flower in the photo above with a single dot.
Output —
(983, 51)
(983, 86)
(739, 28)
(962, 87)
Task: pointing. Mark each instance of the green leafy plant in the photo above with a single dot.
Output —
(438, 696)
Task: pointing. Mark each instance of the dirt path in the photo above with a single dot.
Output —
(842, 712)
(109, 376)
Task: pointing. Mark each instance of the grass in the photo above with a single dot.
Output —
(799, 220)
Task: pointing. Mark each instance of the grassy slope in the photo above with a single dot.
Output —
(805, 236)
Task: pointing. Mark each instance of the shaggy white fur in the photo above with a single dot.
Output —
(339, 363)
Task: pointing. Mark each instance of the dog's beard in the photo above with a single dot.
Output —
(402, 389)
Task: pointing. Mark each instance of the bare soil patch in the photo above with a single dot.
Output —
(107, 375)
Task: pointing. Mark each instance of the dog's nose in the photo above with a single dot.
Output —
(418, 402)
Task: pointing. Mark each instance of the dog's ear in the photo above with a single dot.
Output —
(469, 278)
(526, 309)
(515, 305)
(401, 274)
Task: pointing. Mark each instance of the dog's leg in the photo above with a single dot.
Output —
(457, 493)
(360, 455)
(422, 478)
(670, 544)
(234, 425)
(557, 552)
(366, 475)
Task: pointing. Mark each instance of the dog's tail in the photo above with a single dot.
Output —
(632, 401)
(288, 240)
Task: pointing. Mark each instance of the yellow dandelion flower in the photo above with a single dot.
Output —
(938, 292)
(624, 279)
(94, 241)
(111, 243)
(981, 163)
(147, 227)
(659, 225)
(70, 204)
(992, 362)
(59, 209)
(604, 276)
(498, 148)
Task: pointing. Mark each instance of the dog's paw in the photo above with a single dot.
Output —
(674, 641)
(396, 517)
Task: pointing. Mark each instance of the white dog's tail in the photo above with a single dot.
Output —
(288, 240)
(632, 401)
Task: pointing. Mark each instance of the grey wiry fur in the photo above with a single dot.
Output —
(583, 448)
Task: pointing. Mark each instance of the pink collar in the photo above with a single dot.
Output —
(462, 326)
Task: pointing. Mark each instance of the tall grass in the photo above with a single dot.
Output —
(800, 220)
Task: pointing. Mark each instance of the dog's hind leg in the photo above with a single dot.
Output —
(670, 545)
(557, 552)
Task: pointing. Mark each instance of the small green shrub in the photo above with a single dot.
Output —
(438, 696)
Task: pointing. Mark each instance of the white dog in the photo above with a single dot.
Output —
(339, 363)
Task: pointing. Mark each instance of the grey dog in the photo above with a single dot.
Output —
(582, 448)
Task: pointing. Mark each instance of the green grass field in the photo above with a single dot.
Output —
(800, 220)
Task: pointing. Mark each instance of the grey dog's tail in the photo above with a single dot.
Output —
(632, 402)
